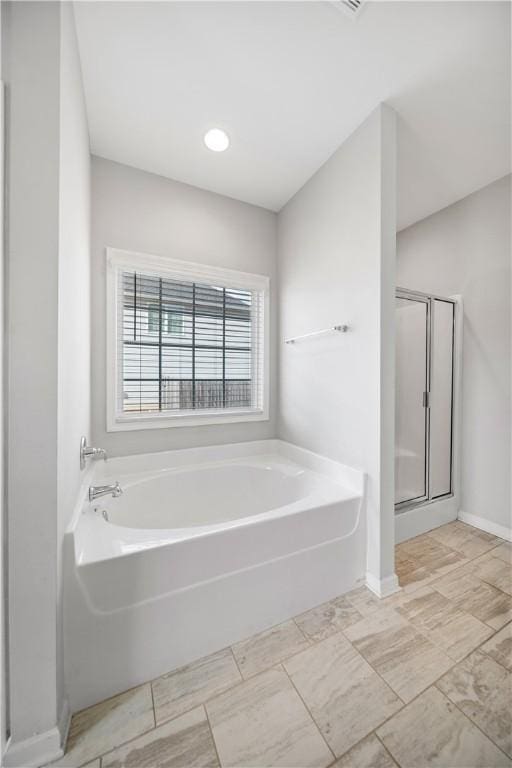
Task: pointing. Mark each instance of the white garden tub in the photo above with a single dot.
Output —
(205, 547)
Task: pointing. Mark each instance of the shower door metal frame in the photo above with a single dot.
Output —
(428, 299)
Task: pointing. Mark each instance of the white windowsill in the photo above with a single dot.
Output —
(165, 420)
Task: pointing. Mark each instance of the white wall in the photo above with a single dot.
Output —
(32, 247)
(336, 264)
(465, 249)
(48, 260)
(3, 506)
(74, 400)
(140, 211)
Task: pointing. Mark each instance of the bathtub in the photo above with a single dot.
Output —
(204, 548)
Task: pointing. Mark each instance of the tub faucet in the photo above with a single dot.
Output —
(95, 491)
(87, 451)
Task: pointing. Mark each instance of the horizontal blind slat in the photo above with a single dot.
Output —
(187, 345)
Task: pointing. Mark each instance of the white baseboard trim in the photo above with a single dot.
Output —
(486, 525)
(41, 749)
(383, 587)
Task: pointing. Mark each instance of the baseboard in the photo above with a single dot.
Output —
(383, 587)
(486, 525)
(35, 751)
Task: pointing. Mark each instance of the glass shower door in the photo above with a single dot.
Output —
(411, 414)
(425, 348)
(441, 399)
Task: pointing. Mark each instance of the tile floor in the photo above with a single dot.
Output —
(423, 678)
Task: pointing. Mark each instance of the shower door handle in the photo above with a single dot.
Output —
(426, 399)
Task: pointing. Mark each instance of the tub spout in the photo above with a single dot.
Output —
(95, 491)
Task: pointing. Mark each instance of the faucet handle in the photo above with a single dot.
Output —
(87, 451)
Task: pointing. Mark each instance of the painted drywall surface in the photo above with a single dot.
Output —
(74, 292)
(3, 505)
(48, 167)
(336, 265)
(139, 211)
(465, 249)
(32, 245)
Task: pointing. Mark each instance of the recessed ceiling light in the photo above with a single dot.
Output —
(216, 140)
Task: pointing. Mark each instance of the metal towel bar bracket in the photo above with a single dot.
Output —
(338, 328)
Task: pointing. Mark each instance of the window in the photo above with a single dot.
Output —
(171, 322)
(186, 343)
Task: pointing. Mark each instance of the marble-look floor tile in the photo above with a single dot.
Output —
(469, 541)
(364, 600)
(426, 552)
(482, 689)
(410, 576)
(345, 696)
(406, 660)
(108, 724)
(192, 685)
(369, 753)
(431, 732)
(504, 552)
(499, 647)
(268, 648)
(494, 571)
(456, 632)
(326, 619)
(185, 742)
(263, 722)
(481, 600)
(410, 573)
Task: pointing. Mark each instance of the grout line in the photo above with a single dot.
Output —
(358, 743)
(493, 659)
(145, 733)
(309, 712)
(487, 736)
(201, 703)
(211, 734)
(101, 755)
(431, 582)
(153, 702)
(117, 746)
(213, 696)
(434, 684)
(385, 748)
(404, 704)
(431, 685)
(377, 673)
(310, 644)
(425, 633)
(236, 663)
(110, 698)
(308, 639)
(481, 647)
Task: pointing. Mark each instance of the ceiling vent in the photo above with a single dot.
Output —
(351, 8)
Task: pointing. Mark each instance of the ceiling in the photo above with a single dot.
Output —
(289, 81)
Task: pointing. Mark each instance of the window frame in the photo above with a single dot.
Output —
(117, 260)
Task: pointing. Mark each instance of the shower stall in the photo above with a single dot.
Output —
(426, 394)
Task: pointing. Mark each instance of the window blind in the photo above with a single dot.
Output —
(187, 347)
